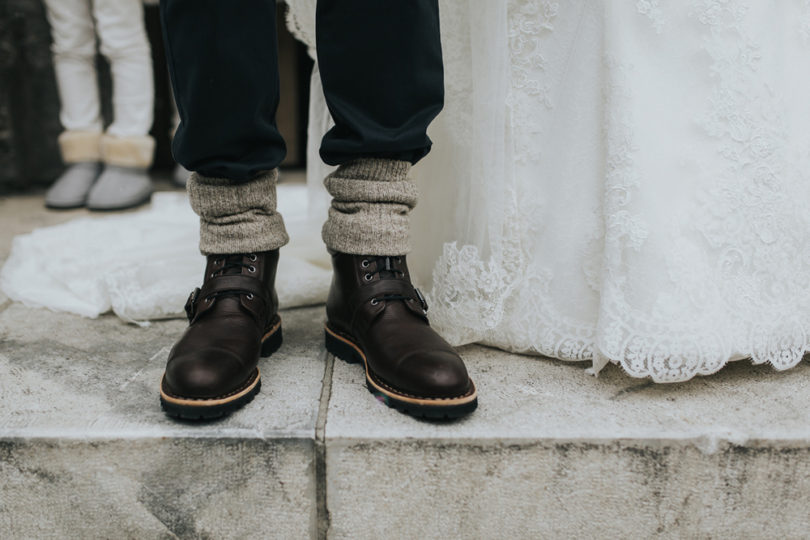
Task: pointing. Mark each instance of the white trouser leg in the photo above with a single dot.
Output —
(74, 49)
(122, 35)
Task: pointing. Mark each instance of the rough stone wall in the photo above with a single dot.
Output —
(29, 104)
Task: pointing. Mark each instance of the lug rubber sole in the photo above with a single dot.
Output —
(209, 409)
(343, 347)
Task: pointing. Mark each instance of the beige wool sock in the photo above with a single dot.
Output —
(237, 217)
(371, 203)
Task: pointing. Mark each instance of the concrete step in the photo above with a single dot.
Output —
(555, 453)
(85, 451)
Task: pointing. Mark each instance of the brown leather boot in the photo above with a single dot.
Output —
(233, 320)
(375, 316)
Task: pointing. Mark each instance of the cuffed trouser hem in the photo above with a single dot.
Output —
(237, 217)
(80, 146)
(371, 204)
(134, 152)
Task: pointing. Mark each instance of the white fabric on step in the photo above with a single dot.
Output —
(620, 181)
(143, 265)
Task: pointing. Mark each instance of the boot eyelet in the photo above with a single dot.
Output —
(251, 269)
(364, 263)
(368, 277)
(249, 296)
(374, 301)
(212, 275)
(398, 259)
(208, 300)
(253, 257)
(218, 261)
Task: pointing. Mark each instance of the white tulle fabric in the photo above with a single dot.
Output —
(143, 265)
(620, 181)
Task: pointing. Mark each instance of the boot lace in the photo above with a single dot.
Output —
(232, 265)
(385, 267)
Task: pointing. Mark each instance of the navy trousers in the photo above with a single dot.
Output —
(380, 63)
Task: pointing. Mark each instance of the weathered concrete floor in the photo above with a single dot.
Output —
(552, 452)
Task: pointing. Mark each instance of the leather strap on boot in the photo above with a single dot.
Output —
(376, 316)
(233, 321)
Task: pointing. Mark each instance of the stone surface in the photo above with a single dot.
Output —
(555, 452)
(69, 376)
(82, 433)
(156, 488)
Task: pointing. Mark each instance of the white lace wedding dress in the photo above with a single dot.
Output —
(618, 180)
(611, 180)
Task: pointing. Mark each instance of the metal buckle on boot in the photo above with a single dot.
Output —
(421, 299)
(191, 303)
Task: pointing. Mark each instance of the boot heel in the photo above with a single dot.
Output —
(341, 349)
(271, 344)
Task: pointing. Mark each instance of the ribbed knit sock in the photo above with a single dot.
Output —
(371, 203)
(237, 217)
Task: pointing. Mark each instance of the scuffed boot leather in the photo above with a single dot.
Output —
(376, 316)
(233, 320)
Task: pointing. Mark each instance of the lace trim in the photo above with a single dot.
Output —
(652, 10)
(746, 232)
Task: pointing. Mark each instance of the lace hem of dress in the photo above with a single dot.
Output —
(465, 286)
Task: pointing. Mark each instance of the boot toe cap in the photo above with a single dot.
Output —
(434, 374)
(214, 374)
